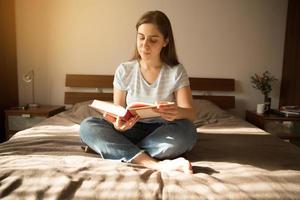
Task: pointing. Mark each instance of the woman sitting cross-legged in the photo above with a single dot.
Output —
(153, 75)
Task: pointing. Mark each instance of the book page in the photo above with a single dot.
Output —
(146, 113)
(145, 110)
(140, 105)
(104, 106)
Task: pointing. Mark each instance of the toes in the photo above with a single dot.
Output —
(178, 164)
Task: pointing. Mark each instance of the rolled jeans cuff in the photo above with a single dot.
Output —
(136, 155)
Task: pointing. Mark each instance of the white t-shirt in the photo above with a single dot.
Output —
(128, 77)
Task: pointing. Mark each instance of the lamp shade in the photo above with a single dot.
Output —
(29, 78)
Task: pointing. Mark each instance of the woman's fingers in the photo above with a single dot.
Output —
(132, 121)
(168, 112)
(168, 117)
(123, 126)
(118, 124)
(118, 121)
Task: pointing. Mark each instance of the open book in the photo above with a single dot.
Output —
(111, 111)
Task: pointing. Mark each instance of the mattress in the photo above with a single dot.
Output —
(232, 159)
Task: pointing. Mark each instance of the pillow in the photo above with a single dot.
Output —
(82, 110)
(208, 112)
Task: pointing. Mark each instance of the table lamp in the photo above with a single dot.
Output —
(29, 78)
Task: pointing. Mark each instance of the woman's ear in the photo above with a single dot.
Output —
(166, 42)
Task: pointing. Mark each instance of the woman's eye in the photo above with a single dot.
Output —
(149, 40)
(153, 41)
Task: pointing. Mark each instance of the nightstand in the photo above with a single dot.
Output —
(287, 128)
(20, 119)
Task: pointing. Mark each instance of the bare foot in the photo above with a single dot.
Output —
(178, 164)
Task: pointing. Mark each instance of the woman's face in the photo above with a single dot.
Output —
(150, 42)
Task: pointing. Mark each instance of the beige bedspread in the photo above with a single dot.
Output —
(231, 160)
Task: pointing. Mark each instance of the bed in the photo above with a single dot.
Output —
(232, 159)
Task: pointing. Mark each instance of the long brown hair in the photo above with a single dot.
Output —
(161, 21)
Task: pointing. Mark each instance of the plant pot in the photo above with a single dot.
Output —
(267, 103)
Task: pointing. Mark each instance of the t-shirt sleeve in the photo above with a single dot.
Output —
(119, 78)
(181, 78)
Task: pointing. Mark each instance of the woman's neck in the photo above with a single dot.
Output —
(150, 70)
(151, 64)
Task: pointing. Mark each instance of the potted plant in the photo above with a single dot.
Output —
(263, 83)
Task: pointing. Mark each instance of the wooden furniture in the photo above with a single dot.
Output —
(8, 61)
(263, 121)
(20, 119)
(102, 82)
(290, 83)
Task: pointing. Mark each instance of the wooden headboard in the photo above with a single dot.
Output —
(106, 81)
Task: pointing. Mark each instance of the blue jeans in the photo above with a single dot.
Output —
(160, 140)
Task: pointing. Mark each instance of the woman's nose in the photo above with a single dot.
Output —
(146, 43)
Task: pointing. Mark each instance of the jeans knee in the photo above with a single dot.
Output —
(89, 127)
(85, 125)
(175, 139)
(186, 132)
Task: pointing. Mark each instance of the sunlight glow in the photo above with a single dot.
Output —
(46, 131)
(231, 130)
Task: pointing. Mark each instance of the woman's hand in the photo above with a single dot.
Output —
(167, 110)
(120, 125)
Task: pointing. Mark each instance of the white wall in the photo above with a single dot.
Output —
(214, 38)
